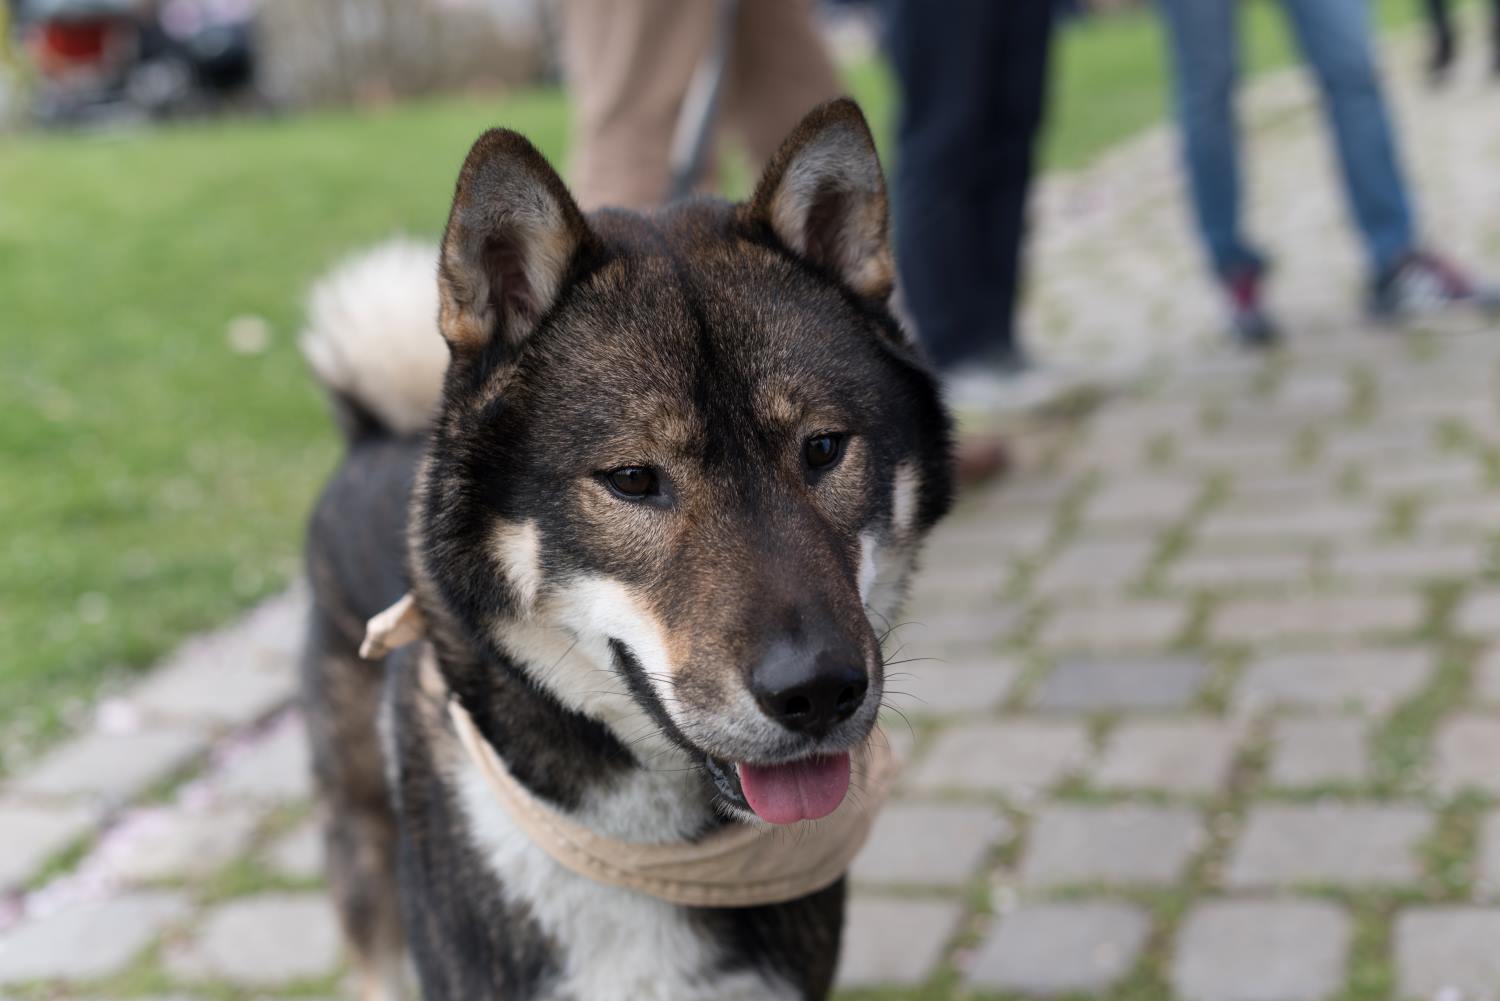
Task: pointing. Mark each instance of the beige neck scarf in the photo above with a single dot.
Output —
(740, 865)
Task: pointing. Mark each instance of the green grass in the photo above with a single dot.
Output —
(154, 482)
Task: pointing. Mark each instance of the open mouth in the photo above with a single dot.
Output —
(809, 789)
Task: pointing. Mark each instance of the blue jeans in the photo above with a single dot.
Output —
(1335, 38)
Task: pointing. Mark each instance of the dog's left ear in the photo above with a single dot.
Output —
(823, 195)
(512, 237)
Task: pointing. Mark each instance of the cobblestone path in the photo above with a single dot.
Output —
(1207, 703)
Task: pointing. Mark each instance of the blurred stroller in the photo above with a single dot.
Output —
(105, 60)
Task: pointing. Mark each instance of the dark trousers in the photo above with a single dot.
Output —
(1440, 15)
(973, 77)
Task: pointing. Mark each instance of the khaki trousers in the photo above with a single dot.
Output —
(629, 63)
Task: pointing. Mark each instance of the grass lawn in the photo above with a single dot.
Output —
(154, 480)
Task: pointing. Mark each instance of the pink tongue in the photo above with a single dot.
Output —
(803, 790)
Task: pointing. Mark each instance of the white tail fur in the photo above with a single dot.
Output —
(372, 334)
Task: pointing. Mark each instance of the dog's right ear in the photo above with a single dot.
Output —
(512, 237)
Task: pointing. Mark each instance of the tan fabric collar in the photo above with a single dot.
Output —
(738, 866)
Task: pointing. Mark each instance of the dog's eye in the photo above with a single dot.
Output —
(822, 451)
(633, 482)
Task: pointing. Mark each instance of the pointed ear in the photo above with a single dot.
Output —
(512, 237)
(823, 195)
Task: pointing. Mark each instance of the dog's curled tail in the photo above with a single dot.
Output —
(372, 339)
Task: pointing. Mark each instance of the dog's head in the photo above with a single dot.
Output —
(684, 460)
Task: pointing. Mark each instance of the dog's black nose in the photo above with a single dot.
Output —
(809, 692)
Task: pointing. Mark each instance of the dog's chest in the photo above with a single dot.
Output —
(613, 944)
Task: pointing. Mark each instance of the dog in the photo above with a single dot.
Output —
(656, 485)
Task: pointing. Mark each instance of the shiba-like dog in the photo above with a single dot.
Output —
(655, 490)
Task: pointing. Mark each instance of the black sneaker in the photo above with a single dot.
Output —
(1422, 283)
(1249, 321)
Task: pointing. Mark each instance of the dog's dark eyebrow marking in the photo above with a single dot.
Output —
(706, 394)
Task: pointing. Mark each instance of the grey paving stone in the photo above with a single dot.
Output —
(1261, 950)
(1340, 617)
(954, 634)
(1374, 680)
(231, 692)
(87, 941)
(1228, 570)
(299, 852)
(31, 834)
(1121, 845)
(1329, 844)
(929, 844)
(1452, 475)
(1185, 756)
(894, 942)
(1267, 522)
(177, 843)
(1309, 751)
(1121, 684)
(1479, 615)
(1142, 501)
(1095, 566)
(275, 768)
(1487, 675)
(925, 688)
(1424, 561)
(1487, 863)
(1476, 515)
(112, 767)
(1445, 953)
(1060, 948)
(1465, 751)
(1114, 627)
(269, 940)
(1016, 757)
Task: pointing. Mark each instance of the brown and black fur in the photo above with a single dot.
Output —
(708, 341)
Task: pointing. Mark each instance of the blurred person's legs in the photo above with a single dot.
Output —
(1204, 37)
(1335, 35)
(1440, 21)
(778, 71)
(629, 64)
(973, 77)
(1335, 38)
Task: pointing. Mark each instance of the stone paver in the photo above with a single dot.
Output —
(1114, 627)
(1373, 680)
(930, 844)
(1059, 948)
(1417, 562)
(1228, 570)
(1465, 752)
(978, 686)
(1312, 751)
(1479, 615)
(1254, 950)
(175, 843)
(1338, 617)
(1329, 844)
(273, 768)
(113, 767)
(1185, 756)
(1124, 845)
(1020, 758)
(1101, 565)
(268, 940)
(31, 834)
(298, 853)
(1141, 502)
(209, 689)
(1487, 676)
(1448, 952)
(895, 941)
(89, 940)
(1120, 684)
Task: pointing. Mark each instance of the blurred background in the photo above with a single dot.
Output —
(1216, 629)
